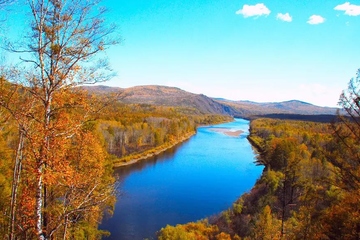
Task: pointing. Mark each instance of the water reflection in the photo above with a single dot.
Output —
(123, 172)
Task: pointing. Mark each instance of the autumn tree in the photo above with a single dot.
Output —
(61, 54)
(200, 230)
(5, 183)
(266, 226)
(342, 218)
(346, 152)
(14, 109)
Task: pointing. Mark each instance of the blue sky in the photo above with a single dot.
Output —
(263, 51)
(240, 50)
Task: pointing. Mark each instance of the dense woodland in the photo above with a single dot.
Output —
(132, 131)
(80, 176)
(310, 187)
(59, 143)
(56, 177)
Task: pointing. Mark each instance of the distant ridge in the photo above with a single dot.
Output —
(201, 104)
(249, 108)
(101, 89)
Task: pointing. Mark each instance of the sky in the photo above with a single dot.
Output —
(263, 51)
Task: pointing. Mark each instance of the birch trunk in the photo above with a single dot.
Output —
(15, 185)
(39, 203)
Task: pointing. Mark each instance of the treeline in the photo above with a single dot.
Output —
(131, 131)
(310, 186)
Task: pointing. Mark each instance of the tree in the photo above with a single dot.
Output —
(266, 226)
(64, 40)
(342, 218)
(345, 148)
(200, 230)
(5, 184)
(14, 107)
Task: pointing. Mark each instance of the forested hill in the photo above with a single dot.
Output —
(199, 103)
(167, 96)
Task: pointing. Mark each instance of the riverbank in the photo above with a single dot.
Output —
(134, 158)
(128, 160)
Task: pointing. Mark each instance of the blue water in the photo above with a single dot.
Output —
(199, 178)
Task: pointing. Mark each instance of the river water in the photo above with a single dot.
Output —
(199, 178)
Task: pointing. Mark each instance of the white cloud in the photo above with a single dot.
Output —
(349, 9)
(254, 10)
(284, 17)
(316, 19)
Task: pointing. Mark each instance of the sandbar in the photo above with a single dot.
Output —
(228, 132)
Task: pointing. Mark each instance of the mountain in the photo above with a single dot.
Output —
(166, 96)
(201, 104)
(171, 96)
(102, 90)
(248, 108)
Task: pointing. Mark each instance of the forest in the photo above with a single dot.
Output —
(136, 131)
(58, 142)
(59, 145)
(310, 186)
(78, 179)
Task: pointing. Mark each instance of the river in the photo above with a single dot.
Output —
(199, 178)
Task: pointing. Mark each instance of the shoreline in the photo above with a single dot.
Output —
(150, 153)
(154, 152)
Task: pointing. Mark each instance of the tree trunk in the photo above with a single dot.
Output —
(65, 227)
(15, 185)
(39, 202)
